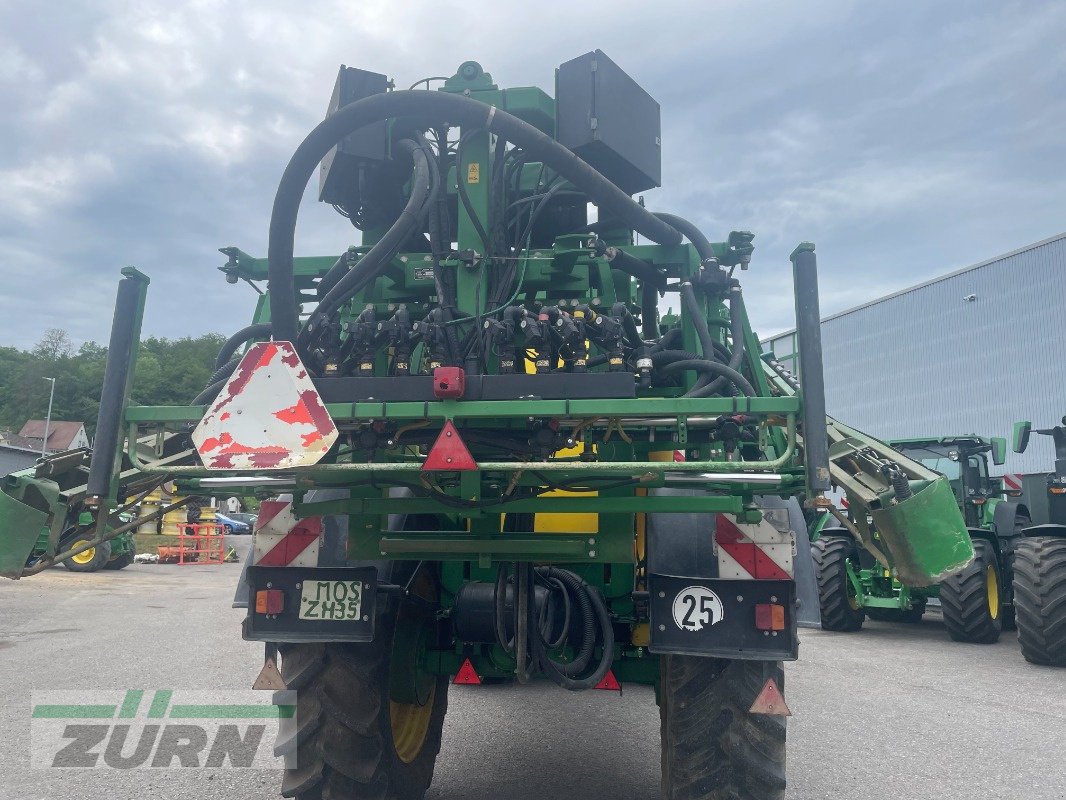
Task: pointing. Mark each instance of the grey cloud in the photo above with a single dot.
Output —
(905, 139)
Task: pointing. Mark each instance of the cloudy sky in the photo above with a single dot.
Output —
(905, 138)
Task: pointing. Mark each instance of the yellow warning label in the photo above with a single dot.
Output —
(473, 172)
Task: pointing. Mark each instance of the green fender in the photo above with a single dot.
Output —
(925, 535)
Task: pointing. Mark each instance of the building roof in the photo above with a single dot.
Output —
(60, 433)
(922, 285)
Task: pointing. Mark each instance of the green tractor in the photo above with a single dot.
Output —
(1040, 563)
(978, 601)
(57, 482)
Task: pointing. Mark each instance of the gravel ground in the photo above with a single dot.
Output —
(895, 711)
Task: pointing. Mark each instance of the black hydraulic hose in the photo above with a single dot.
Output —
(371, 264)
(557, 671)
(690, 232)
(699, 322)
(649, 312)
(224, 371)
(208, 394)
(433, 106)
(333, 274)
(629, 325)
(240, 337)
(710, 368)
(736, 332)
(637, 267)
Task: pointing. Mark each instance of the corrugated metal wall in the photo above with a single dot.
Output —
(930, 362)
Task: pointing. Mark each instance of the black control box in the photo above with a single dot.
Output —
(339, 175)
(604, 116)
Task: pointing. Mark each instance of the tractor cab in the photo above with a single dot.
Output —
(963, 460)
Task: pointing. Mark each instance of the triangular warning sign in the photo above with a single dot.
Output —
(449, 452)
(770, 701)
(269, 677)
(466, 676)
(610, 682)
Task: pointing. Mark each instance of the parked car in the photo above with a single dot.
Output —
(231, 525)
(241, 516)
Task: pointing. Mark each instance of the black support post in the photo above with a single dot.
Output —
(812, 383)
(125, 334)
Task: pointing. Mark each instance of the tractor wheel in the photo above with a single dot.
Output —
(970, 600)
(909, 616)
(712, 747)
(1040, 599)
(120, 562)
(837, 599)
(356, 741)
(88, 560)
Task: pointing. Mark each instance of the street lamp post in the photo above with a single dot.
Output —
(48, 419)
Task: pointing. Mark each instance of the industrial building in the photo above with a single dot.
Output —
(971, 351)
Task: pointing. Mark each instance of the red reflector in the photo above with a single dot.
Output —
(770, 701)
(609, 682)
(769, 617)
(466, 676)
(269, 601)
(449, 382)
(449, 452)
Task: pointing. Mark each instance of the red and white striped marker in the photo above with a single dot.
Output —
(1012, 481)
(753, 551)
(283, 540)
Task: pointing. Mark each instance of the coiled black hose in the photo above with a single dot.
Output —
(562, 673)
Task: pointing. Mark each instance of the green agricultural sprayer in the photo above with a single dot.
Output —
(481, 451)
(977, 601)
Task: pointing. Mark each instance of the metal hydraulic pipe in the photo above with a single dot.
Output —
(812, 382)
(613, 467)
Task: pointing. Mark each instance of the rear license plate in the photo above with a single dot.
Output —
(331, 600)
(331, 604)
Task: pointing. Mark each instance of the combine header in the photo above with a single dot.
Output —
(490, 455)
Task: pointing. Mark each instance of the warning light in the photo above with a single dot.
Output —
(449, 452)
(449, 382)
(769, 617)
(269, 601)
(467, 676)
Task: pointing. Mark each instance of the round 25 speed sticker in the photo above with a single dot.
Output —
(696, 608)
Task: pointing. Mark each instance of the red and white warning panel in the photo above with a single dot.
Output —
(750, 551)
(1012, 482)
(282, 540)
(268, 415)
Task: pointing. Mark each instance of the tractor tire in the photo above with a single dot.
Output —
(354, 742)
(712, 747)
(1040, 599)
(836, 596)
(90, 560)
(971, 600)
(120, 562)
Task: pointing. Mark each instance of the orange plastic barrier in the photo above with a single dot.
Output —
(201, 543)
